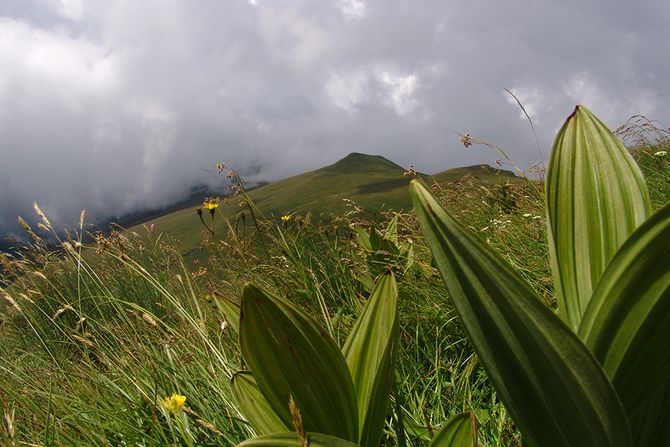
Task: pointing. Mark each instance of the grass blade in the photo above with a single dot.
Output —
(553, 387)
(627, 322)
(596, 197)
(292, 440)
(460, 431)
(290, 355)
(369, 352)
(253, 405)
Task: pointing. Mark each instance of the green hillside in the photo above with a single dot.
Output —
(372, 181)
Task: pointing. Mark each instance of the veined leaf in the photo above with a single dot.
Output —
(460, 431)
(627, 322)
(596, 197)
(290, 355)
(370, 352)
(292, 440)
(553, 387)
(254, 407)
(392, 230)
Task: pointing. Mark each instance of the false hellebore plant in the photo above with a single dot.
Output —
(303, 390)
(597, 372)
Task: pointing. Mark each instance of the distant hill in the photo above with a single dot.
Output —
(485, 173)
(372, 181)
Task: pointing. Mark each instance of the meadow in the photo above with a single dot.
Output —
(101, 341)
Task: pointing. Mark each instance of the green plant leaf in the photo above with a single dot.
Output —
(375, 239)
(392, 230)
(292, 440)
(230, 311)
(596, 197)
(363, 237)
(553, 387)
(460, 431)
(627, 322)
(290, 355)
(650, 422)
(370, 353)
(253, 405)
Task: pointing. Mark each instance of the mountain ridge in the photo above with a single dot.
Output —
(371, 181)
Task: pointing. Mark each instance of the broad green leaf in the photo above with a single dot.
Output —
(596, 197)
(413, 429)
(254, 407)
(375, 239)
(290, 355)
(460, 431)
(392, 230)
(553, 387)
(365, 279)
(230, 311)
(363, 237)
(651, 422)
(292, 440)
(627, 322)
(370, 352)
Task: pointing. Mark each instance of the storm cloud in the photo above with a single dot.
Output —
(119, 105)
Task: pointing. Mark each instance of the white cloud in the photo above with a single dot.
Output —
(348, 91)
(399, 91)
(53, 59)
(294, 38)
(353, 9)
(532, 100)
(69, 9)
(72, 9)
(584, 88)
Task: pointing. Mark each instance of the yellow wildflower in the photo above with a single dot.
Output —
(286, 218)
(210, 204)
(174, 403)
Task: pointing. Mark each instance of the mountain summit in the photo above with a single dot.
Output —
(357, 162)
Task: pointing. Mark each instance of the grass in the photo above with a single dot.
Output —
(96, 335)
(371, 181)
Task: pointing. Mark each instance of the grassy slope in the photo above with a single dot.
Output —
(146, 335)
(372, 181)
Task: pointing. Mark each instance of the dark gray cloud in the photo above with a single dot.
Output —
(118, 105)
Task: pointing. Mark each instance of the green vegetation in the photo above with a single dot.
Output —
(588, 375)
(372, 182)
(123, 342)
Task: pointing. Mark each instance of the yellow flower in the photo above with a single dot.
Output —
(174, 403)
(286, 218)
(210, 204)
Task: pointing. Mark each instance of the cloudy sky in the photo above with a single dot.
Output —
(116, 105)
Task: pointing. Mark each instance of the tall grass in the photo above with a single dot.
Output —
(95, 335)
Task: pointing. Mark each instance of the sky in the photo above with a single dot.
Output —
(114, 106)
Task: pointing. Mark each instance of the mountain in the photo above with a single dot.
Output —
(371, 181)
